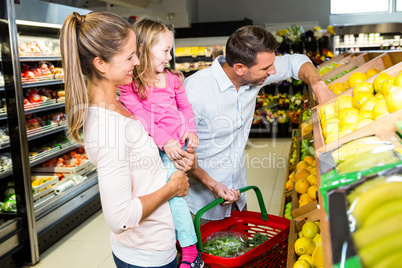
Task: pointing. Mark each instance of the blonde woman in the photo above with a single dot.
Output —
(101, 47)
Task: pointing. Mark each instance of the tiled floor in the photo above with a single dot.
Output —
(88, 245)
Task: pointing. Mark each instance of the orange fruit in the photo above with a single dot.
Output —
(313, 171)
(394, 100)
(387, 86)
(302, 164)
(301, 186)
(305, 199)
(381, 77)
(312, 179)
(289, 185)
(291, 175)
(301, 174)
(371, 72)
(309, 168)
(380, 109)
(309, 159)
(360, 98)
(311, 191)
(356, 78)
(363, 87)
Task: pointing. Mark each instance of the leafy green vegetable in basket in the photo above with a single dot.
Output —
(225, 244)
(257, 240)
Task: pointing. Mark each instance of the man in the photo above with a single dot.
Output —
(223, 100)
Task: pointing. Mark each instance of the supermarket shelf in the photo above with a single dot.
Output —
(48, 105)
(39, 58)
(44, 156)
(43, 83)
(46, 130)
(6, 173)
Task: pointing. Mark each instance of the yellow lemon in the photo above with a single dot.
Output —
(371, 72)
(334, 85)
(311, 191)
(313, 171)
(387, 86)
(346, 84)
(301, 165)
(338, 89)
(343, 102)
(318, 257)
(326, 110)
(312, 179)
(356, 78)
(333, 136)
(310, 229)
(304, 245)
(394, 100)
(398, 80)
(380, 109)
(302, 264)
(380, 96)
(306, 257)
(300, 234)
(329, 128)
(360, 98)
(369, 104)
(381, 77)
(317, 240)
(365, 114)
(348, 119)
(348, 128)
(363, 123)
(348, 111)
(363, 87)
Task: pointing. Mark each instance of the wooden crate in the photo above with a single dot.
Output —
(341, 58)
(378, 61)
(286, 198)
(295, 227)
(383, 125)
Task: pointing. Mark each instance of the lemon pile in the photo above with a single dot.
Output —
(308, 246)
(352, 81)
(305, 180)
(369, 102)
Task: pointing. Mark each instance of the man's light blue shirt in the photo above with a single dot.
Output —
(223, 119)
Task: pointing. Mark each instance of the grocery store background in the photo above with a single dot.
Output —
(59, 221)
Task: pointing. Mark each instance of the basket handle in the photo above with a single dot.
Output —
(220, 200)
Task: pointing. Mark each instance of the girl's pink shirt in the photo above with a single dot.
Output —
(166, 114)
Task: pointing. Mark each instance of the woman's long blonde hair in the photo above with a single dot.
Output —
(148, 32)
(82, 38)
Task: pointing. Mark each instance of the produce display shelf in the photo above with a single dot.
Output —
(46, 130)
(384, 124)
(54, 152)
(346, 64)
(6, 173)
(43, 106)
(43, 83)
(339, 58)
(40, 58)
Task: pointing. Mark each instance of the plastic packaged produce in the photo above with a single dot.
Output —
(226, 244)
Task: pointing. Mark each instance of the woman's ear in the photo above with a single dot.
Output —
(99, 64)
(240, 69)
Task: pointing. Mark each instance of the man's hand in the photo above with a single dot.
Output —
(322, 92)
(173, 149)
(230, 196)
(193, 141)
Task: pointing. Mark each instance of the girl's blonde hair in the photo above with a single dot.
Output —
(82, 38)
(148, 32)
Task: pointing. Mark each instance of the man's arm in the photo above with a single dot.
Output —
(309, 74)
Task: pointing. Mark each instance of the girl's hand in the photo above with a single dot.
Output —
(193, 141)
(173, 149)
(179, 180)
(188, 163)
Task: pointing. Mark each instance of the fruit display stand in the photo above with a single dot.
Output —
(339, 58)
(381, 62)
(346, 65)
(295, 227)
(380, 124)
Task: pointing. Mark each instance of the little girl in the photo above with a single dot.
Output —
(157, 98)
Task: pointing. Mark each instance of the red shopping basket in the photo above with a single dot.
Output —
(271, 253)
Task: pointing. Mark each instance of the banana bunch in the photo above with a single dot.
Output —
(377, 211)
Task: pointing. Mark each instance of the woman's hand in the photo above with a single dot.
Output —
(193, 141)
(230, 196)
(173, 150)
(179, 181)
(188, 162)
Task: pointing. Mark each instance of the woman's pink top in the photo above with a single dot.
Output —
(166, 114)
(129, 166)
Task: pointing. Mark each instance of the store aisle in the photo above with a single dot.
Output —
(88, 245)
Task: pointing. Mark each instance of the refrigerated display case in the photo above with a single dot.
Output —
(55, 186)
